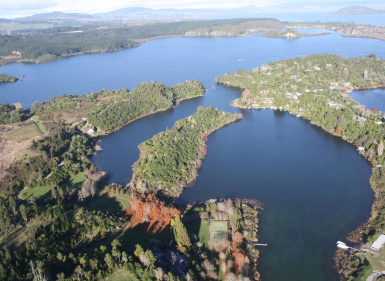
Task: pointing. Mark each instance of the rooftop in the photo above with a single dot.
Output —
(378, 243)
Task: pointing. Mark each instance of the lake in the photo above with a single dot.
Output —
(371, 98)
(314, 186)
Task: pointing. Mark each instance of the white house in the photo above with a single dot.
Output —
(291, 96)
(378, 243)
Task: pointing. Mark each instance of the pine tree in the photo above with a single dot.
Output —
(380, 149)
(180, 233)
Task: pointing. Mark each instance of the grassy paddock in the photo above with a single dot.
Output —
(28, 131)
(74, 182)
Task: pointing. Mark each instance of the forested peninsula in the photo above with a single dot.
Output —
(60, 220)
(317, 88)
(7, 78)
(288, 34)
(171, 159)
(109, 110)
(65, 125)
(55, 43)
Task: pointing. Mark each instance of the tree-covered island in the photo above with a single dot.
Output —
(317, 88)
(171, 159)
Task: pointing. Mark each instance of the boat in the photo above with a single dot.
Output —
(342, 245)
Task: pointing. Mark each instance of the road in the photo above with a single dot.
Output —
(375, 275)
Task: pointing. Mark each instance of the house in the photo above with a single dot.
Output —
(335, 104)
(91, 131)
(378, 243)
(328, 65)
(265, 92)
(346, 84)
(267, 101)
(359, 118)
(334, 84)
(157, 252)
(298, 94)
(291, 96)
(378, 123)
(290, 35)
(177, 260)
(317, 68)
(307, 90)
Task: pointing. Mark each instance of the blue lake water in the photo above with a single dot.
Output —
(314, 186)
(371, 98)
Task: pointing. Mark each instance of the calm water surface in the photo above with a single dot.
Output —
(371, 98)
(314, 186)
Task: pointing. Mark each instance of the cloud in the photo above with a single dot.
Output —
(25, 5)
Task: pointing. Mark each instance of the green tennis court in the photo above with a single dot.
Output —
(218, 230)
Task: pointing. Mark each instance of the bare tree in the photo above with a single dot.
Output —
(159, 274)
(37, 271)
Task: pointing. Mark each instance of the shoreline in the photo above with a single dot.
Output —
(377, 194)
(144, 115)
(191, 177)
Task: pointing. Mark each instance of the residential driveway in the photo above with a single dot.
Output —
(375, 275)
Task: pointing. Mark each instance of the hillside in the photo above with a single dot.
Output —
(358, 10)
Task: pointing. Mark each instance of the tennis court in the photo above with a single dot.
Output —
(218, 230)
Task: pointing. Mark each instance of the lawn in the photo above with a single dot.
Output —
(201, 229)
(109, 203)
(74, 182)
(37, 192)
(40, 124)
(120, 275)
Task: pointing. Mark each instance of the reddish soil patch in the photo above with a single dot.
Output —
(135, 220)
(128, 211)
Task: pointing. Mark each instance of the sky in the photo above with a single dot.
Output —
(22, 8)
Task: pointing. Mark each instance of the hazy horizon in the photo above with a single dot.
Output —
(21, 8)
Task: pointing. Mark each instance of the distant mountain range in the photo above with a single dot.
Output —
(147, 15)
(358, 10)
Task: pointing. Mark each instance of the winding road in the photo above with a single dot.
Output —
(375, 275)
